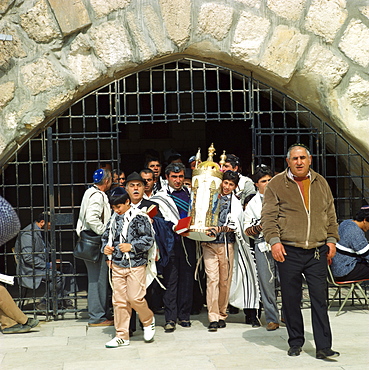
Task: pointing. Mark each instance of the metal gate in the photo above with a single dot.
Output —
(50, 172)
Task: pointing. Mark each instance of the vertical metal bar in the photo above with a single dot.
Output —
(50, 168)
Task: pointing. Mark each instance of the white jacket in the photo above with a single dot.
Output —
(95, 211)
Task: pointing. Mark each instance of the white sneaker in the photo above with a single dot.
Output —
(149, 331)
(117, 342)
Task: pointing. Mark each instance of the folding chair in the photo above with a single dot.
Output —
(348, 284)
(22, 291)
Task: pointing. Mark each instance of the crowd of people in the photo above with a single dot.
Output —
(284, 223)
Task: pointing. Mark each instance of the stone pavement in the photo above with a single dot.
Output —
(69, 344)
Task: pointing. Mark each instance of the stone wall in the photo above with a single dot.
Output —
(316, 51)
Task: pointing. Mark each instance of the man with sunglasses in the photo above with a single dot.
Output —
(299, 222)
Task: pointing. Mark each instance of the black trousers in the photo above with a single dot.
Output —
(300, 261)
(178, 280)
(360, 271)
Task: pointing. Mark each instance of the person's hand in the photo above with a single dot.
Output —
(278, 252)
(212, 231)
(331, 251)
(125, 247)
(108, 250)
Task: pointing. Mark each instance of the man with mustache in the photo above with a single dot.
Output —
(174, 201)
(299, 222)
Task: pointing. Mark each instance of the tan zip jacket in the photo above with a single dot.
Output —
(285, 218)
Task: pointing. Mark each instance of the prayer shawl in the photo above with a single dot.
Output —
(244, 292)
(167, 206)
(128, 217)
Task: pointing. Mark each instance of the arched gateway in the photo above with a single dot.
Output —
(184, 104)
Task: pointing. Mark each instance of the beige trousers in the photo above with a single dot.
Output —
(218, 267)
(129, 292)
(10, 314)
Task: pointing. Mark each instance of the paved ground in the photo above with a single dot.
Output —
(69, 344)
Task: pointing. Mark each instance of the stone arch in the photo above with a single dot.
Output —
(53, 53)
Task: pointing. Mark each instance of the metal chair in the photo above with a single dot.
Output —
(22, 291)
(346, 284)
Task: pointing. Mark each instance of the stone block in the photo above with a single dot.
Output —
(10, 49)
(111, 44)
(83, 68)
(4, 5)
(39, 23)
(81, 44)
(354, 42)
(249, 35)
(215, 19)
(284, 51)
(326, 17)
(141, 39)
(357, 92)
(57, 101)
(365, 11)
(7, 93)
(156, 30)
(71, 15)
(38, 82)
(177, 19)
(321, 62)
(104, 7)
(289, 9)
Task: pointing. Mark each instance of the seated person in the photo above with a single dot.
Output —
(33, 263)
(351, 261)
(12, 319)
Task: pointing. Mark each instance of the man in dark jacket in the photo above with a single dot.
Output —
(299, 222)
(33, 266)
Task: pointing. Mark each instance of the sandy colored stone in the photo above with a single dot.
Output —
(358, 91)
(59, 100)
(111, 44)
(215, 19)
(177, 19)
(156, 30)
(320, 61)
(10, 49)
(7, 93)
(83, 68)
(4, 5)
(355, 42)
(71, 15)
(137, 33)
(104, 7)
(289, 9)
(365, 11)
(81, 44)
(326, 17)
(284, 51)
(249, 36)
(38, 82)
(39, 23)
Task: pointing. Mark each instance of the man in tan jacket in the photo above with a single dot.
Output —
(299, 222)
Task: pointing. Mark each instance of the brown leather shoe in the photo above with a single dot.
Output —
(104, 323)
(272, 326)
